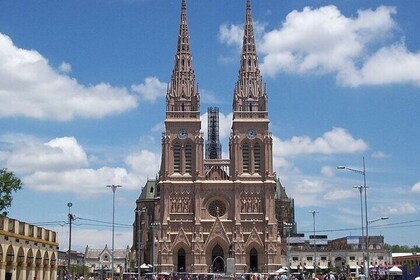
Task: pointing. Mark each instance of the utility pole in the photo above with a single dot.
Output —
(114, 188)
(313, 216)
(70, 217)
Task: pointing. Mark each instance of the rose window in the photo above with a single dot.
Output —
(217, 208)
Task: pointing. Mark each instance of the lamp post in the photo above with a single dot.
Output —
(367, 236)
(360, 188)
(313, 218)
(114, 188)
(139, 211)
(153, 226)
(70, 217)
(289, 227)
(363, 172)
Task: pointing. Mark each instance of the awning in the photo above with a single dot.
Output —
(293, 267)
(354, 266)
(395, 271)
(281, 270)
(309, 267)
(145, 266)
(323, 267)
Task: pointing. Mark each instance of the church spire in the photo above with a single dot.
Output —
(249, 94)
(182, 94)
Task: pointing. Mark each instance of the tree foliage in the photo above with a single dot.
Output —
(9, 184)
(402, 248)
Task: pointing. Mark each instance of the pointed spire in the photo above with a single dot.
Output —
(249, 92)
(182, 94)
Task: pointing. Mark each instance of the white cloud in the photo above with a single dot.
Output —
(338, 140)
(58, 154)
(327, 171)
(231, 34)
(389, 65)
(307, 192)
(416, 188)
(310, 187)
(335, 195)
(30, 87)
(96, 239)
(379, 155)
(65, 67)
(144, 163)
(151, 89)
(62, 165)
(323, 40)
(84, 182)
(225, 125)
(397, 210)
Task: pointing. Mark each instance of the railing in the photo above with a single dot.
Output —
(182, 114)
(250, 115)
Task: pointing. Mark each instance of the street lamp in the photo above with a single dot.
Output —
(313, 216)
(139, 211)
(362, 172)
(114, 188)
(367, 236)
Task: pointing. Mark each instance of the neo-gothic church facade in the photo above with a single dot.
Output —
(200, 212)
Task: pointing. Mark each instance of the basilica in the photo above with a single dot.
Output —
(204, 213)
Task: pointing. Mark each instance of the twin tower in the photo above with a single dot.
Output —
(213, 215)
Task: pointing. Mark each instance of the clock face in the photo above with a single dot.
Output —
(182, 133)
(251, 134)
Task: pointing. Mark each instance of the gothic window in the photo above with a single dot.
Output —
(188, 158)
(177, 158)
(245, 158)
(257, 158)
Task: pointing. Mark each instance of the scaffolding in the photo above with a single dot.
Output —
(213, 146)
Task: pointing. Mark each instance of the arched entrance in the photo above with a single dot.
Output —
(253, 260)
(217, 259)
(181, 260)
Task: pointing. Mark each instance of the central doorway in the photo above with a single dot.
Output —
(217, 259)
(253, 260)
(181, 260)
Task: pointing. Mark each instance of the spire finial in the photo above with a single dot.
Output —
(183, 83)
(249, 85)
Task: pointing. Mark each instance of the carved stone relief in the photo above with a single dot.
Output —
(181, 202)
(251, 202)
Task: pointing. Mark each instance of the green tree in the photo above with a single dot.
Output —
(9, 183)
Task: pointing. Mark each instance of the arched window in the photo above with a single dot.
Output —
(177, 158)
(257, 158)
(188, 158)
(245, 158)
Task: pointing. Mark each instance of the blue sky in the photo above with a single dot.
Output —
(82, 92)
